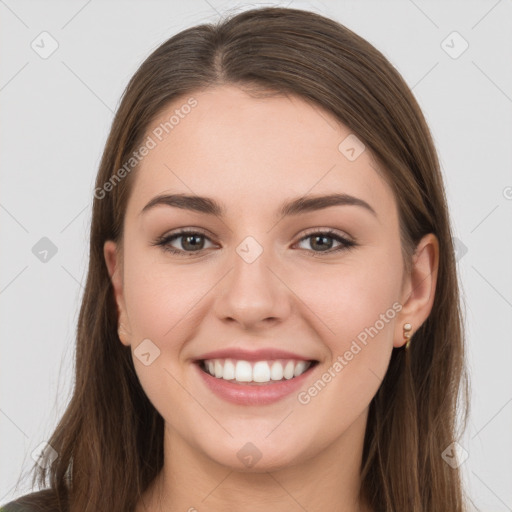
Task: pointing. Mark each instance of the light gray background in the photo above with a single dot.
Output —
(56, 113)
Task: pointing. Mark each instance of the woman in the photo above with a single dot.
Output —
(271, 317)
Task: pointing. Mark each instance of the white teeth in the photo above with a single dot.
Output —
(276, 372)
(299, 368)
(243, 371)
(259, 371)
(288, 370)
(218, 370)
(229, 370)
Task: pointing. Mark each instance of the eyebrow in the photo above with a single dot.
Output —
(291, 207)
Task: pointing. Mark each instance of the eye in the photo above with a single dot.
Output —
(191, 241)
(323, 241)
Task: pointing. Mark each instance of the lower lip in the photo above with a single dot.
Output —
(250, 394)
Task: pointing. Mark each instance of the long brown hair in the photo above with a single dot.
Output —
(110, 438)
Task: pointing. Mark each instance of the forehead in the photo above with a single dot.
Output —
(244, 150)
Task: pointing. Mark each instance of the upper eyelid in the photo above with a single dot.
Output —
(328, 231)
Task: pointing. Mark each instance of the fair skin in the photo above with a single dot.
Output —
(251, 155)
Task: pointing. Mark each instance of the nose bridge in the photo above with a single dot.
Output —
(252, 292)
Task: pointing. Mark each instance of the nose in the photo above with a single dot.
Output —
(253, 294)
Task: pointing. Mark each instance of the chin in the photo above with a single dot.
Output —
(255, 457)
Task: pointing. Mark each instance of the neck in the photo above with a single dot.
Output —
(327, 481)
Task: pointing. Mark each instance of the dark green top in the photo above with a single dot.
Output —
(40, 501)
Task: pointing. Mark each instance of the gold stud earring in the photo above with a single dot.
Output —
(407, 334)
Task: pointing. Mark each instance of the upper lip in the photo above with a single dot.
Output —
(262, 354)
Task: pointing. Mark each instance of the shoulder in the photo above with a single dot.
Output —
(40, 501)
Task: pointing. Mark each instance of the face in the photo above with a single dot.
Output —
(309, 298)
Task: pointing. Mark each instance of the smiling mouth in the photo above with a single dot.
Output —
(264, 372)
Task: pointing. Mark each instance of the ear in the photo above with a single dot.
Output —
(113, 260)
(419, 288)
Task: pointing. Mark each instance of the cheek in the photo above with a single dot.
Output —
(356, 304)
(359, 305)
(162, 304)
(160, 297)
(352, 296)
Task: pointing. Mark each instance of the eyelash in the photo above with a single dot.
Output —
(165, 240)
